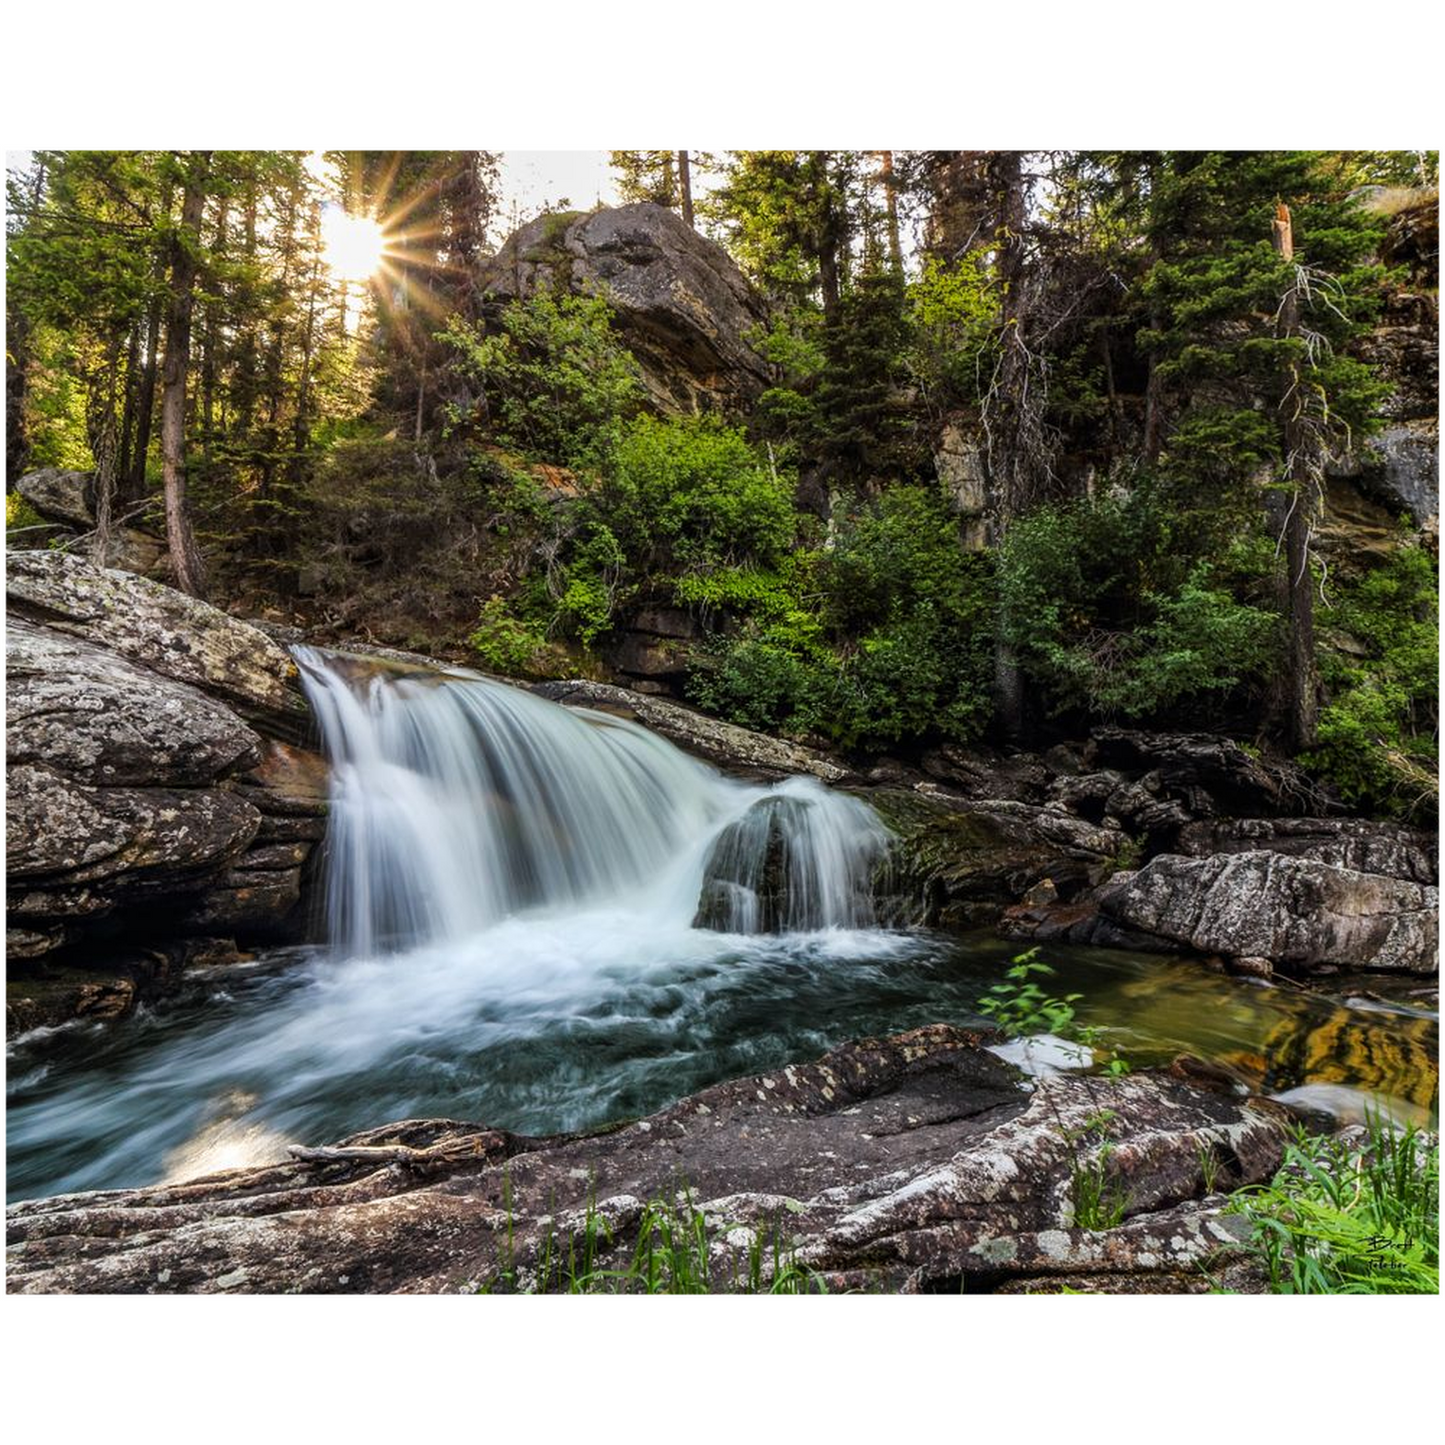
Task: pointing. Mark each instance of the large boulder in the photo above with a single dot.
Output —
(152, 796)
(683, 308)
(1292, 911)
(956, 862)
(164, 631)
(1355, 843)
(66, 498)
(59, 495)
(911, 1163)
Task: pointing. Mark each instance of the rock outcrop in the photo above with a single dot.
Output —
(1355, 843)
(151, 797)
(960, 863)
(682, 306)
(910, 1163)
(65, 498)
(733, 749)
(1289, 910)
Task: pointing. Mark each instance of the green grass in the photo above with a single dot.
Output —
(1343, 1217)
(673, 1254)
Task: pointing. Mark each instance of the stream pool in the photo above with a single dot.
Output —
(542, 1024)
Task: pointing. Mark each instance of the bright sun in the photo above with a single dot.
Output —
(354, 244)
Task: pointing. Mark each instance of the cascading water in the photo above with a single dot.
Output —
(543, 920)
(458, 802)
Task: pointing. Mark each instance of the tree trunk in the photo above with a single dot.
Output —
(185, 556)
(890, 201)
(684, 176)
(1008, 464)
(1303, 497)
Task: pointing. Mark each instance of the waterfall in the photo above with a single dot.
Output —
(458, 802)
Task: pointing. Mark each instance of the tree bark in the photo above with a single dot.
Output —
(684, 179)
(1006, 471)
(1299, 522)
(185, 555)
(890, 201)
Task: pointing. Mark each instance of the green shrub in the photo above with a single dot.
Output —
(1112, 610)
(1378, 661)
(555, 379)
(505, 642)
(882, 637)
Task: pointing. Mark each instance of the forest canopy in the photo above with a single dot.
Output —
(1024, 441)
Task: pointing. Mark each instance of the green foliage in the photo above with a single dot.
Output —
(554, 379)
(1378, 657)
(506, 643)
(1347, 1218)
(1099, 1199)
(886, 636)
(1021, 1008)
(1112, 611)
(953, 313)
(19, 514)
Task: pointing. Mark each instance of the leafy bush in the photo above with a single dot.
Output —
(554, 379)
(690, 496)
(1379, 664)
(505, 642)
(1112, 611)
(886, 635)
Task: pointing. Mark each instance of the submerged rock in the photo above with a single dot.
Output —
(909, 1163)
(782, 867)
(1292, 911)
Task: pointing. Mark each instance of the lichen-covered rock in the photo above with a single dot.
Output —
(682, 306)
(81, 710)
(59, 495)
(1355, 843)
(909, 1163)
(958, 862)
(162, 630)
(141, 806)
(733, 749)
(1293, 911)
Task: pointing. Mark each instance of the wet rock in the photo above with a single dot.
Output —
(961, 863)
(682, 306)
(909, 1163)
(1292, 911)
(1355, 843)
(733, 749)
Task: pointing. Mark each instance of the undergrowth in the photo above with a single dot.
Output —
(673, 1254)
(1349, 1216)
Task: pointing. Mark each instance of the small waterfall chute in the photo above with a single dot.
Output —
(459, 801)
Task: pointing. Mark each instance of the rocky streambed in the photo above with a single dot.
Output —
(167, 805)
(912, 1163)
